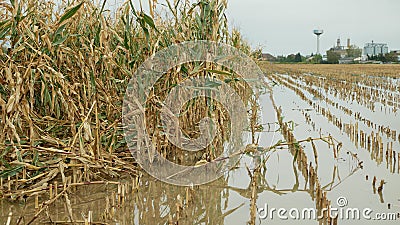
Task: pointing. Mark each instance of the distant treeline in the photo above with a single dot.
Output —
(389, 57)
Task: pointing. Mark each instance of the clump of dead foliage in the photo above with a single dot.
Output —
(64, 68)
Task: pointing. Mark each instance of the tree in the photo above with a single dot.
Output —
(281, 58)
(391, 57)
(333, 57)
(298, 58)
(388, 57)
(316, 59)
(290, 58)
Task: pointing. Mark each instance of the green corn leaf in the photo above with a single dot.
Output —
(196, 70)
(231, 80)
(59, 30)
(19, 157)
(4, 22)
(5, 27)
(185, 70)
(68, 14)
(133, 8)
(11, 172)
(149, 21)
(60, 40)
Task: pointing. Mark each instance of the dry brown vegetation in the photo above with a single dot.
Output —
(339, 70)
(64, 69)
(63, 74)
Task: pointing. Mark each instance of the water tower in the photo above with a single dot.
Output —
(318, 33)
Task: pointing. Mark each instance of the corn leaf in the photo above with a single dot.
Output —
(149, 21)
(11, 172)
(71, 12)
(60, 40)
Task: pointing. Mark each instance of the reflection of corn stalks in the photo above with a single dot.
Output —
(308, 171)
(373, 142)
(380, 188)
(357, 115)
(253, 198)
(178, 205)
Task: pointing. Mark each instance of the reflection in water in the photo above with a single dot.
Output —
(148, 201)
(240, 192)
(317, 193)
(377, 138)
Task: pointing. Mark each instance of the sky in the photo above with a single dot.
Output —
(283, 27)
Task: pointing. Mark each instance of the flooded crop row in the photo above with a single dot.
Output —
(325, 140)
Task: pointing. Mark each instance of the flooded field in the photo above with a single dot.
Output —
(99, 105)
(330, 139)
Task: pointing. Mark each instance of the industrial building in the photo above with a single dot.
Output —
(340, 49)
(343, 54)
(375, 49)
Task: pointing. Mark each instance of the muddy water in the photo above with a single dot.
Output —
(354, 186)
(229, 199)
